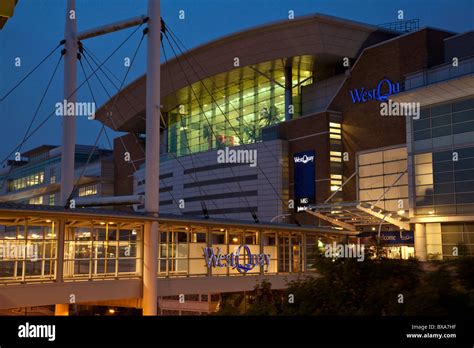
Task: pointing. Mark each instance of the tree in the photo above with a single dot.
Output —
(270, 116)
(265, 301)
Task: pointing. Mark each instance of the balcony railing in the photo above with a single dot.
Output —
(440, 73)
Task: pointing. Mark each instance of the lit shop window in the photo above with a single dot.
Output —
(36, 200)
(236, 110)
(88, 190)
(335, 155)
(381, 178)
(29, 251)
(102, 250)
(28, 181)
(336, 181)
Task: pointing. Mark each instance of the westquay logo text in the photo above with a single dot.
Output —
(234, 260)
(304, 159)
(362, 95)
(37, 331)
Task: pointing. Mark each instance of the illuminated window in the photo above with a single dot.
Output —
(240, 106)
(51, 199)
(335, 156)
(52, 175)
(88, 190)
(381, 178)
(36, 200)
(28, 181)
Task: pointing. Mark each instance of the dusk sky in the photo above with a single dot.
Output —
(38, 25)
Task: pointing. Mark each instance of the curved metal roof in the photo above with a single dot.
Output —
(323, 37)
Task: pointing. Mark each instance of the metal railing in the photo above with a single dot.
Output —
(402, 26)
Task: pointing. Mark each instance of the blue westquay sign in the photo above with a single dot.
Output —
(384, 89)
(304, 177)
(241, 259)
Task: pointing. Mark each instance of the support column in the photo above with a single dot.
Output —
(69, 122)
(68, 136)
(288, 90)
(420, 242)
(152, 164)
(61, 233)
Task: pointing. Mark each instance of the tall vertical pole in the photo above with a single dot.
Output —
(69, 122)
(68, 135)
(152, 164)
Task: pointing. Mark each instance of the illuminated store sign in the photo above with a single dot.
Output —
(304, 174)
(391, 237)
(304, 159)
(241, 259)
(384, 89)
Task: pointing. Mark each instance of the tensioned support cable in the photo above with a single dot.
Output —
(32, 70)
(74, 190)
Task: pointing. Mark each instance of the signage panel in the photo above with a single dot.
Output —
(304, 179)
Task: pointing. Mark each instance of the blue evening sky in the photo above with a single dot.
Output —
(38, 25)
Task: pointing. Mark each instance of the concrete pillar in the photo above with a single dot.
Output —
(288, 90)
(152, 164)
(61, 233)
(61, 310)
(68, 136)
(420, 242)
(69, 122)
(150, 269)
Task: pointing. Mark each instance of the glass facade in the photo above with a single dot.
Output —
(445, 182)
(28, 181)
(457, 235)
(88, 190)
(101, 250)
(444, 120)
(27, 251)
(379, 170)
(33, 173)
(181, 250)
(249, 102)
(113, 250)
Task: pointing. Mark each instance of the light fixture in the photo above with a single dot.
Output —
(222, 230)
(373, 228)
(401, 212)
(102, 223)
(431, 212)
(112, 311)
(111, 223)
(235, 239)
(48, 220)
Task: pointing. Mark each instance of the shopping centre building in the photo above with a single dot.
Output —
(273, 143)
(34, 176)
(305, 95)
